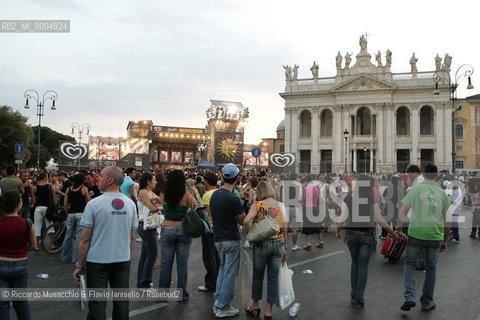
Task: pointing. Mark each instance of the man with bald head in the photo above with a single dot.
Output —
(108, 235)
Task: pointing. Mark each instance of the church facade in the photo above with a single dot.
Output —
(366, 118)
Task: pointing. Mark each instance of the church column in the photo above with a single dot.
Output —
(439, 132)
(355, 159)
(447, 145)
(371, 158)
(380, 160)
(315, 163)
(414, 133)
(288, 130)
(389, 137)
(338, 141)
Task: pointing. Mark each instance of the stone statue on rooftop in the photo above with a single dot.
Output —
(363, 44)
(348, 60)
(314, 70)
(438, 63)
(447, 62)
(413, 63)
(378, 58)
(388, 58)
(339, 60)
(295, 72)
(288, 72)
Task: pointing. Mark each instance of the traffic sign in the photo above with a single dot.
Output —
(18, 155)
(18, 161)
(256, 152)
(19, 148)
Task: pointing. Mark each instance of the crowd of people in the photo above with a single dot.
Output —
(107, 212)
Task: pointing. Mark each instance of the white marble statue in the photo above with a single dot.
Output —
(348, 60)
(447, 62)
(288, 72)
(314, 70)
(388, 58)
(339, 60)
(378, 58)
(295, 72)
(413, 63)
(438, 63)
(363, 44)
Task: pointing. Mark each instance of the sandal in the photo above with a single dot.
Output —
(253, 312)
(320, 245)
(307, 247)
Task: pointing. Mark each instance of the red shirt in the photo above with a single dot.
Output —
(14, 236)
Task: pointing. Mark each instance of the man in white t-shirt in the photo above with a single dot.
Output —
(106, 242)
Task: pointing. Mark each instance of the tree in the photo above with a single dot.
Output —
(13, 130)
(48, 145)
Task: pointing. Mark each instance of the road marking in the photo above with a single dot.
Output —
(301, 263)
(146, 309)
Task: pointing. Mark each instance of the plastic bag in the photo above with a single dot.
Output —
(285, 286)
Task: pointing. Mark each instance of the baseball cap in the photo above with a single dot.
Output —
(230, 171)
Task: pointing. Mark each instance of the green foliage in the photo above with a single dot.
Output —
(49, 142)
(13, 130)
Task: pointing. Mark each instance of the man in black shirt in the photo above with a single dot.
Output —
(66, 183)
(93, 190)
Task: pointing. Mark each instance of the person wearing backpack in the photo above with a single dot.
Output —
(174, 242)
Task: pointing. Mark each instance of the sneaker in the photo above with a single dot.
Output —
(358, 305)
(225, 313)
(295, 248)
(246, 245)
(214, 309)
(455, 240)
(139, 240)
(430, 307)
(203, 289)
(407, 305)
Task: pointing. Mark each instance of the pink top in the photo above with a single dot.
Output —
(310, 196)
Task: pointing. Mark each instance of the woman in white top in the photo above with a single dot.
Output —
(147, 202)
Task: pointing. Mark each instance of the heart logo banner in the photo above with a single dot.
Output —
(282, 160)
(110, 163)
(73, 151)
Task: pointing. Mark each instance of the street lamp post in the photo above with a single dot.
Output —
(48, 95)
(365, 159)
(345, 134)
(80, 129)
(467, 73)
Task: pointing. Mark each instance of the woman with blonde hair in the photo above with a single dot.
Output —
(268, 253)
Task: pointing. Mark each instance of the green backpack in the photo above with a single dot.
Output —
(192, 224)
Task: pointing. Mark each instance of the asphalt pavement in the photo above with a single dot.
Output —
(322, 294)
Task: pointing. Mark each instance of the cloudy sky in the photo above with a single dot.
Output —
(163, 60)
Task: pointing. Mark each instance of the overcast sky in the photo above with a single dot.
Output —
(163, 60)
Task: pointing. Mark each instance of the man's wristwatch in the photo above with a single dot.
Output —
(79, 265)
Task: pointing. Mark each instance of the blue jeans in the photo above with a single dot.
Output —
(73, 226)
(147, 256)
(455, 233)
(414, 252)
(229, 253)
(360, 247)
(267, 254)
(174, 242)
(14, 274)
(24, 212)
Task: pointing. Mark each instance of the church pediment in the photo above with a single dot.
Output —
(363, 83)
